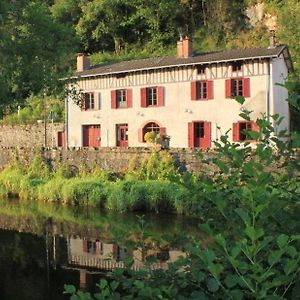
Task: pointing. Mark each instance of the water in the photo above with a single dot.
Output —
(43, 247)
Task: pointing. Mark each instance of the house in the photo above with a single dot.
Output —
(188, 97)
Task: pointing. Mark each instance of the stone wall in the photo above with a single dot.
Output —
(112, 159)
(32, 135)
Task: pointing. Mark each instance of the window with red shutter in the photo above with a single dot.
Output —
(241, 129)
(202, 90)
(152, 96)
(237, 87)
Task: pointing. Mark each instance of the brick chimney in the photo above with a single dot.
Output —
(83, 62)
(272, 39)
(184, 47)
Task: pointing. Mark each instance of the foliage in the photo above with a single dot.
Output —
(34, 52)
(35, 110)
(250, 209)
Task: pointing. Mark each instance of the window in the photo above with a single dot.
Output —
(199, 129)
(152, 96)
(241, 131)
(202, 90)
(237, 66)
(237, 87)
(121, 98)
(201, 69)
(88, 101)
(151, 127)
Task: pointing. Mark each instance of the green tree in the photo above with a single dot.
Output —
(35, 50)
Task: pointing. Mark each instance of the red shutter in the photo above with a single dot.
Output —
(113, 99)
(228, 88)
(143, 97)
(246, 87)
(160, 96)
(85, 246)
(162, 131)
(191, 134)
(207, 134)
(235, 132)
(194, 90)
(115, 249)
(141, 136)
(129, 97)
(210, 89)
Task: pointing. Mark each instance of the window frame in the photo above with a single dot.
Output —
(121, 98)
(152, 96)
(88, 101)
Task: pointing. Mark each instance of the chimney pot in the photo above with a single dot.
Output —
(83, 62)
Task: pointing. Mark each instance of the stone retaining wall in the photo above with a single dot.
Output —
(26, 136)
(112, 159)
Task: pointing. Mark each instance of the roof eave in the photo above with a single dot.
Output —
(183, 64)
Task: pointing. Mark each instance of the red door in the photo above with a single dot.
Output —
(60, 139)
(91, 136)
(122, 135)
(200, 135)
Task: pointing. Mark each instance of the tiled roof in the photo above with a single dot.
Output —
(202, 58)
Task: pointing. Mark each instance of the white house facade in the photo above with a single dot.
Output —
(189, 98)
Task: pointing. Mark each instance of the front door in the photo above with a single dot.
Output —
(91, 136)
(122, 135)
(199, 134)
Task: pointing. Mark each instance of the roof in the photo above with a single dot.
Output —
(202, 58)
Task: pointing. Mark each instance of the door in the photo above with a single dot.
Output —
(200, 134)
(91, 136)
(60, 139)
(122, 135)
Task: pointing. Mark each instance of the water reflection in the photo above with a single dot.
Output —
(44, 246)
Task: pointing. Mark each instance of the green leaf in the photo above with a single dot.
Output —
(291, 266)
(220, 240)
(103, 284)
(235, 251)
(231, 281)
(291, 251)
(200, 276)
(282, 240)
(244, 216)
(237, 294)
(69, 289)
(196, 295)
(212, 285)
(253, 233)
(114, 285)
(239, 99)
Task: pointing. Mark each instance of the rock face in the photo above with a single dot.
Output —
(257, 14)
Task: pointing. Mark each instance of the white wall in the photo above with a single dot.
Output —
(178, 109)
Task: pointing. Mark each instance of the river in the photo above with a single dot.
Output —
(43, 247)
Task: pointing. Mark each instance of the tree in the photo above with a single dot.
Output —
(35, 51)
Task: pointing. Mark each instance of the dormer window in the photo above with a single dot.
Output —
(237, 66)
(201, 69)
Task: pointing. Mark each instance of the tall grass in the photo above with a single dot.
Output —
(156, 185)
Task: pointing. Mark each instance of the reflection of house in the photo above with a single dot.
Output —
(94, 254)
(187, 97)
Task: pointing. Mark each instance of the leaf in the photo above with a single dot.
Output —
(235, 251)
(253, 233)
(290, 266)
(237, 294)
(69, 289)
(103, 284)
(282, 240)
(231, 281)
(196, 295)
(200, 276)
(239, 99)
(291, 251)
(244, 216)
(212, 285)
(114, 285)
(220, 240)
